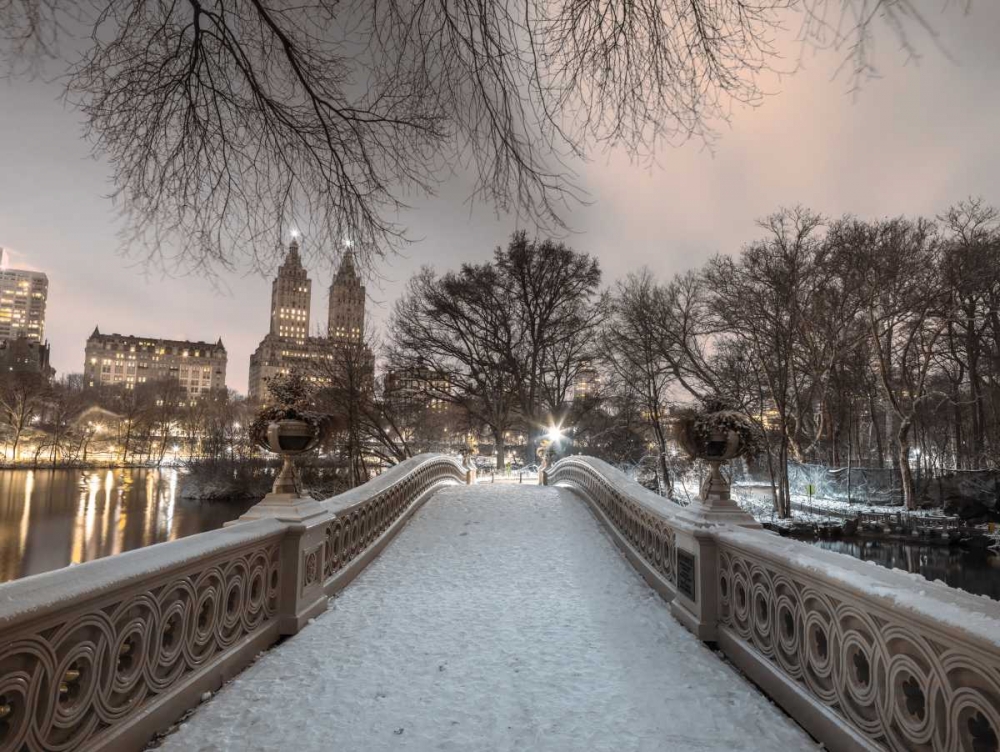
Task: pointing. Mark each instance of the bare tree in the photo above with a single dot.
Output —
(505, 340)
(227, 122)
(22, 394)
(630, 349)
(971, 270)
(551, 315)
(894, 266)
(762, 299)
(451, 335)
(682, 319)
(345, 376)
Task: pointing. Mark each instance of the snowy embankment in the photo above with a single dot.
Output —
(821, 512)
(501, 618)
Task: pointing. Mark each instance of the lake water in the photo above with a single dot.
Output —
(53, 518)
(975, 571)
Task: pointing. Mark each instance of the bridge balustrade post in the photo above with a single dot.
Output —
(300, 593)
(695, 603)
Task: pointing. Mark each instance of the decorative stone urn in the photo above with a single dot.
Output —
(469, 464)
(290, 437)
(287, 427)
(720, 447)
(716, 435)
(548, 459)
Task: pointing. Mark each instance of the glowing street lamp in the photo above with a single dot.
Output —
(554, 434)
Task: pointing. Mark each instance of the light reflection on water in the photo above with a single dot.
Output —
(53, 518)
(975, 571)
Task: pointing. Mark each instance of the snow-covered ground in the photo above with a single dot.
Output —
(831, 511)
(501, 618)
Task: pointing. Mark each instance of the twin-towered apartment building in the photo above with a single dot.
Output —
(288, 345)
(200, 367)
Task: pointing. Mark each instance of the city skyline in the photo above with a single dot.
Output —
(811, 143)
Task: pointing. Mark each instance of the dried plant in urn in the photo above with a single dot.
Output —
(716, 432)
(288, 426)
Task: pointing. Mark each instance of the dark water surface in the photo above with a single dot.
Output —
(975, 571)
(52, 518)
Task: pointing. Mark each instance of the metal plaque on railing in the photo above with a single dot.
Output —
(686, 569)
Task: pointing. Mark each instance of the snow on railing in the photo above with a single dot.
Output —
(105, 654)
(865, 658)
(905, 663)
(646, 520)
(365, 514)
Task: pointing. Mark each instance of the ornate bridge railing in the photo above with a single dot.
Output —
(671, 548)
(103, 655)
(863, 657)
(366, 518)
(86, 651)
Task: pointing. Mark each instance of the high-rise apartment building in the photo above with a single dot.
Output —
(288, 346)
(116, 359)
(23, 295)
(586, 385)
(291, 292)
(347, 303)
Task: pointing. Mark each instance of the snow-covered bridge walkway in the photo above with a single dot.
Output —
(501, 618)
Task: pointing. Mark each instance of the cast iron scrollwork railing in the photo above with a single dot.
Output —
(649, 531)
(74, 670)
(889, 660)
(903, 683)
(359, 520)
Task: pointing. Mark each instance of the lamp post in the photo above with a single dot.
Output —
(547, 451)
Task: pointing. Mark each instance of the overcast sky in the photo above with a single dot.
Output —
(912, 142)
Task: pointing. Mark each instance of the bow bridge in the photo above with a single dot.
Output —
(582, 613)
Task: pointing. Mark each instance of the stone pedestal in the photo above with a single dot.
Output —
(303, 549)
(302, 561)
(715, 504)
(286, 507)
(302, 556)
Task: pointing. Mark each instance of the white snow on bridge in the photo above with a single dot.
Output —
(501, 618)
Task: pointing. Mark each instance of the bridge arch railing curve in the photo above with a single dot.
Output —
(865, 658)
(365, 516)
(103, 655)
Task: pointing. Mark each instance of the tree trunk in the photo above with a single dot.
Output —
(903, 458)
(786, 504)
(975, 392)
(850, 447)
(500, 449)
(833, 430)
(661, 442)
(956, 406)
(873, 414)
